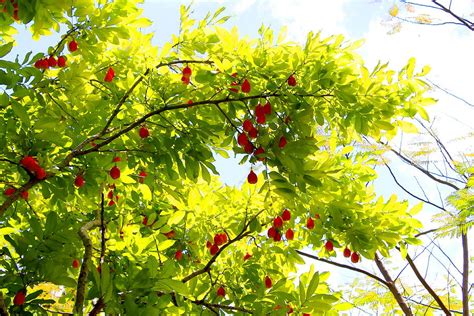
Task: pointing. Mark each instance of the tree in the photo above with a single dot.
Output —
(110, 193)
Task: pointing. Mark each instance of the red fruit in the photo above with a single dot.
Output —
(20, 297)
(109, 76)
(287, 119)
(290, 309)
(245, 86)
(248, 148)
(259, 151)
(247, 256)
(252, 177)
(208, 244)
(115, 172)
(292, 81)
(234, 84)
(185, 80)
(40, 173)
(289, 234)
(9, 191)
(221, 292)
(75, 264)
(316, 216)
(268, 282)
(253, 133)
(178, 255)
(355, 257)
(72, 46)
(170, 234)
(259, 110)
(214, 249)
(116, 159)
(111, 203)
(306, 314)
(278, 222)
(52, 62)
(242, 139)
(310, 223)
(224, 238)
(110, 195)
(62, 61)
(141, 176)
(44, 64)
(347, 252)
(282, 142)
(247, 125)
(277, 236)
(267, 108)
(143, 132)
(329, 245)
(24, 195)
(261, 119)
(286, 215)
(190, 102)
(15, 14)
(79, 181)
(218, 240)
(29, 163)
(37, 64)
(145, 220)
(187, 72)
(271, 233)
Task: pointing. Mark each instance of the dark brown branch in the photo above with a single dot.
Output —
(345, 266)
(97, 307)
(429, 306)
(427, 286)
(82, 280)
(465, 274)
(11, 199)
(391, 286)
(3, 307)
(221, 306)
(465, 22)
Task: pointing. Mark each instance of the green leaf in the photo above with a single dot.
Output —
(5, 49)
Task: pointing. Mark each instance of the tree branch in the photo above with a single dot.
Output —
(391, 286)
(469, 25)
(341, 265)
(3, 307)
(220, 306)
(465, 274)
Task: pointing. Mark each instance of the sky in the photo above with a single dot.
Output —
(448, 49)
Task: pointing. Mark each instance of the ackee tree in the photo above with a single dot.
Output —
(111, 199)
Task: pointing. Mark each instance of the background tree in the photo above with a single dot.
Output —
(107, 157)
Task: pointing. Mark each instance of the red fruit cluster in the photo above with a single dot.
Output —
(20, 298)
(144, 132)
(79, 181)
(110, 195)
(50, 62)
(219, 240)
(15, 9)
(353, 255)
(109, 76)
(31, 164)
(141, 176)
(274, 231)
(186, 75)
(261, 112)
(221, 291)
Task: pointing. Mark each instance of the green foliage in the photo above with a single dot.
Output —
(76, 123)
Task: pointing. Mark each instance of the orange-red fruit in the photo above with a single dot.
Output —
(79, 181)
(268, 282)
(253, 133)
(20, 297)
(347, 252)
(282, 142)
(72, 46)
(306, 314)
(178, 255)
(116, 159)
(247, 256)
(185, 80)
(289, 234)
(221, 292)
(259, 151)
(115, 172)
(208, 244)
(277, 236)
(278, 222)
(261, 119)
(170, 234)
(75, 264)
(110, 195)
(247, 125)
(9, 191)
(267, 108)
(24, 195)
(286, 215)
(29, 163)
(111, 203)
(245, 86)
(40, 173)
(290, 309)
(62, 61)
(248, 148)
(52, 62)
(242, 139)
(271, 233)
(355, 257)
(187, 72)
(214, 249)
(143, 132)
(292, 81)
(310, 223)
(329, 245)
(252, 177)
(219, 239)
(109, 76)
